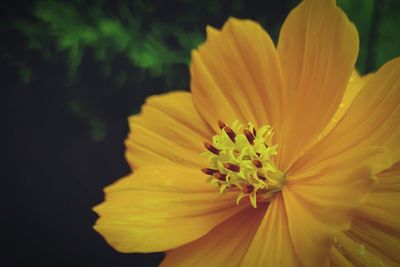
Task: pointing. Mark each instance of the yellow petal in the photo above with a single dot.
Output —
(160, 208)
(336, 259)
(359, 255)
(321, 201)
(383, 210)
(169, 129)
(388, 181)
(226, 244)
(272, 245)
(355, 85)
(385, 245)
(236, 75)
(372, 119)
(376, 227)
(318, 47)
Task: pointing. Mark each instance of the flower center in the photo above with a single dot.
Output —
(239, 159)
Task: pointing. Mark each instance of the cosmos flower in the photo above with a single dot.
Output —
(270, 160)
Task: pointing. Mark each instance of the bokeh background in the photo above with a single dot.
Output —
(73, 71)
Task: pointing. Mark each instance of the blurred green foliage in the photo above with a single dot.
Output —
(73, 28)
(360, 13)
(388, 37)
(135, 45)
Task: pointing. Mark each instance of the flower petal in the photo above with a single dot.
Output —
(226, 243)
(236, 75)
(375, 231)
(336, 259)
(355, 85)
(372, 119)
(321, 201)
(160, 208)
(272, 245)
(382, 206)
(357, 253)
(318, 47)
(169, 129)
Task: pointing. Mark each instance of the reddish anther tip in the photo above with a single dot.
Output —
(261, 177)
(247, 189)
(254, 132)
(230, 133)
(220, 176)
(211, 148)
(250, 137)
(257, 163)
(222, 124)
(232, 167)
(209, 171)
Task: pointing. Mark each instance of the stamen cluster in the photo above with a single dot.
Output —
(239, 159)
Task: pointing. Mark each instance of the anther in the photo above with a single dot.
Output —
(209, 171)
(220, 176)
(250, 137)
(261, 177)
(211, 148)
(221, 124)
(247, 189)
(232, 167)
(257, 163)
(230, 133)
(237, 160)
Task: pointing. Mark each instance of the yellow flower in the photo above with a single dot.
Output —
(294, 140)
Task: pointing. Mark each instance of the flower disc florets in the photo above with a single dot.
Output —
(239, 159)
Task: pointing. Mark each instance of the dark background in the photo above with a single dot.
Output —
(73, 71)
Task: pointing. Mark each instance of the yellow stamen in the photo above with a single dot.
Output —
(240, 160)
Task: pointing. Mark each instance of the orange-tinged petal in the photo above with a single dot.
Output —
(388, 181)
(357, 253)
(236, 75)
(169, 129)
(372, 119)
(226, 244)
(382, 209)
(336, 259)
(321, 201)
(355, 85)
(318, 47)
(375, 230)
(384, 244)
(272, 245)
(159, 208)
